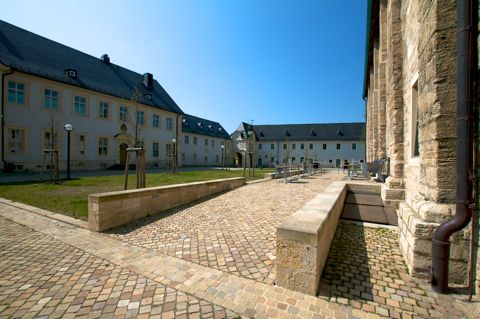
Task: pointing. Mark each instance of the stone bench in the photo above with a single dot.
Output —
(113, 209)
(304, 239)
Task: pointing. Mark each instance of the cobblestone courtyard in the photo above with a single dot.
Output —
(44, 277)
(365, 270)
(210, 260)
(233, 232)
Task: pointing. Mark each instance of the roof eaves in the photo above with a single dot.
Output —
(367, 48)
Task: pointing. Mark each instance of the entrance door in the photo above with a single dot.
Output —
(238, 160)
(123, 153)
(337, 162)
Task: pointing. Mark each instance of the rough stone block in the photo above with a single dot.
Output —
(304, 239)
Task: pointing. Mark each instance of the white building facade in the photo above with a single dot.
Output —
(328, 144)
(204, 142)
(110, 108)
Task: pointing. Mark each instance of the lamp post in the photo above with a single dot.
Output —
(69, 129)
(223, 158)
(174, 156)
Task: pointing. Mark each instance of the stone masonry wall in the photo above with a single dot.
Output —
(430, 36)
(414, 67)
(477, 156)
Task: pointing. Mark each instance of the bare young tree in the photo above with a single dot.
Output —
(50, 140)
(135, 119)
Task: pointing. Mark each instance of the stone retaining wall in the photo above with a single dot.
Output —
(113, 209)
(304, 239)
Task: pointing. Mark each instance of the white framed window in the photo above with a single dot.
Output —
(194, 140)
(50, 140)
(169, 123)
(16, 141)
(155, 120)
(195, 157)
(183, 156)
(186, 141)
(310, 146)
(79, 105)
(324, 146)
(169, 149)
(140, 118)
(272, 146)
(260, 146)
(123, 114)
(103, 110)
(81, 142)
(102, 146)
(338, 146)
(302, 146)
(155, 149)
(16, 92)
(50, 99)
(213, 143)
(354, 146)
(294, 146)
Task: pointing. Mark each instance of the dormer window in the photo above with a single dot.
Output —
(199, 124)
(148, 96)
(71, 73)
(210, 127)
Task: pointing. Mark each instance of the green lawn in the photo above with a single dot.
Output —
(71, 197)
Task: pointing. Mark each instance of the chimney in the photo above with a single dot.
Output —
(106, 59)
(148, 80)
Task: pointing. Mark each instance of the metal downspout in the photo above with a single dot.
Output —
(463, 211)
(3, 118)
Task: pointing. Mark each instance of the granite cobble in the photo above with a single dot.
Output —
(234, 232)
(58, 269)
(43, 277)
(365, 269)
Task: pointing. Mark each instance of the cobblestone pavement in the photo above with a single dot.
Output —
(365, 270)
(44, 277)
(52, 269)
(234, 232)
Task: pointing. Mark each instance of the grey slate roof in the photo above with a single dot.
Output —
(30, 53)
(197, 125)
(308, 132)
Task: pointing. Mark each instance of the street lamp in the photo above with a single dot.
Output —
(174, 156)
(69, 129)
(223, 161)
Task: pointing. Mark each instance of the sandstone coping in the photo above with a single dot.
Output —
(113, 209)
(304, 239)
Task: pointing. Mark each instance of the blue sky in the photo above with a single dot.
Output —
(273, 62)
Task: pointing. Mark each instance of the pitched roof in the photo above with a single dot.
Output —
(197, 125)
(30, 53)
(309, 132)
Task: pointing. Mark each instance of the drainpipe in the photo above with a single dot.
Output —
(463, 209)
(2, 116)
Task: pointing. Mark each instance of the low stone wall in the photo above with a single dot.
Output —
(113, 209)
(304, 239)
